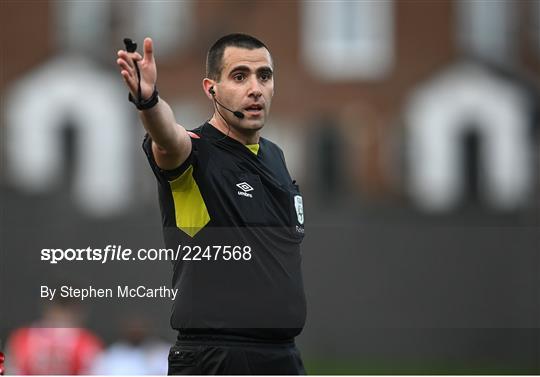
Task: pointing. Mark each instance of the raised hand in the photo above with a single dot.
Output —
(147, 67)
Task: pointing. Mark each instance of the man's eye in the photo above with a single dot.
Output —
(265, 76)
(239, 77)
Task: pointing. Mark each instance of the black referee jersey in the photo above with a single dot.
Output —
(237, 219)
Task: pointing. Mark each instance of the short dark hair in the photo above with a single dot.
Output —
(214, 58)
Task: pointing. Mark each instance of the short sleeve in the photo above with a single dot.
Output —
(160, 174)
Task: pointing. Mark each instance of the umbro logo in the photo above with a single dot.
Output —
(245, 187)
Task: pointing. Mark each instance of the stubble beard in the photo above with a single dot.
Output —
(247, 130)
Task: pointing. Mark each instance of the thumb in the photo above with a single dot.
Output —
(148, 50)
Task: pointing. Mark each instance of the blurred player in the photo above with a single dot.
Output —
(55, 344)
(136, 353)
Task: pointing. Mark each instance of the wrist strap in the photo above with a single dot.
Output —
(139, 102)
(145, 104)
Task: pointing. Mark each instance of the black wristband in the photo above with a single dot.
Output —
(145, 104)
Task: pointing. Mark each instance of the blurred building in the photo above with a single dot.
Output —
(360, 64)
(382, 108)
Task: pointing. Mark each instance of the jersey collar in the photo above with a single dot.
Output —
(208, 130)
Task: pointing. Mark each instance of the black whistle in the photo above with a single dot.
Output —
(130, 45)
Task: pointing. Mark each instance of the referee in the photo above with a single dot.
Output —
(227, 199)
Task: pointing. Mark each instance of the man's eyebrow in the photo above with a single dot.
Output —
(265, 70)
(241, 68)
(245, 68)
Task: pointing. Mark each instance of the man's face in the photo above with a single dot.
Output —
(247, 85)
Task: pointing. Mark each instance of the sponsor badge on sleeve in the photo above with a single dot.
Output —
(298, 205)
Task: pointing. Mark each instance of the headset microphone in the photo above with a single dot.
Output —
(238, 114)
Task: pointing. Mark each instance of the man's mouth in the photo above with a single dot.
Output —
(254, 109)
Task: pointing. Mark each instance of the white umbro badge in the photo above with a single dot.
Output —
(299, 206)
(245, 187)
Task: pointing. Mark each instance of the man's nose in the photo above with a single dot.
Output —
(254, 88)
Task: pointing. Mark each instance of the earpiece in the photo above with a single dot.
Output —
(238, 114)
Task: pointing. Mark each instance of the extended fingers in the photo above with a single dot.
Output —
(125, 61)
(129, 57)
(148, 50)
(127, 67)
(129, 79)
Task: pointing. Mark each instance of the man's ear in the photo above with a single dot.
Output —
(209, 87)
